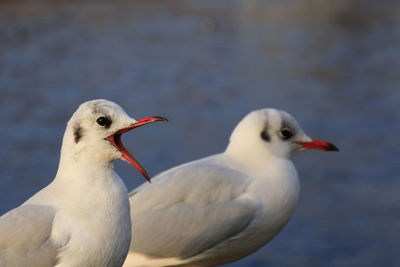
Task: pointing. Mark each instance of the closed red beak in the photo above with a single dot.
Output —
(318, 144)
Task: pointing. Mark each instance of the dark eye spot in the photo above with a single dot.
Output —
(286, 133)
(265, 136)
(104, 121)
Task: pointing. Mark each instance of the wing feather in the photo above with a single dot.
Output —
(25, 237)
(190, 209)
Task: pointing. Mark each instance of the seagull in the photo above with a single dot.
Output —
(82, 217)
(221, 208)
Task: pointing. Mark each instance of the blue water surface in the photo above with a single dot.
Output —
(334, 65)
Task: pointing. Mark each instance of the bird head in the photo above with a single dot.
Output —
(272, 132)
(95, 129)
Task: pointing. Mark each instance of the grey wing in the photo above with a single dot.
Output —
(25, 237)
(190, 209)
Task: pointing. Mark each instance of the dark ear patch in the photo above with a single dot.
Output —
(265, 136)
(77, 133)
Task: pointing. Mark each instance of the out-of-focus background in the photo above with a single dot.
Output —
(334, 65)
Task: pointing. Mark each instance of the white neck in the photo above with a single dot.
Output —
(84, 173)
(80, 155)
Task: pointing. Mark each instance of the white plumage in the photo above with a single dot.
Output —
(82, 217)
(221, 208)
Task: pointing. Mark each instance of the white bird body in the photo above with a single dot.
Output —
(100, 240)
(265, 200)
(83, 216)
(221, 208)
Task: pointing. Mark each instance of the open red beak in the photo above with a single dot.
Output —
(319, 144)
(115, 139)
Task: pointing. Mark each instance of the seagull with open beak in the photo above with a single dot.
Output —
(82, 217)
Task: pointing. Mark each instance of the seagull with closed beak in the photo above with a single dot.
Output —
(82, 217)
(223, 207)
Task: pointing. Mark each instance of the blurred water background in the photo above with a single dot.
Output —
(334, 64)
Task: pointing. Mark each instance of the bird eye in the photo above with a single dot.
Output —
(104, 121)
(286, 133)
